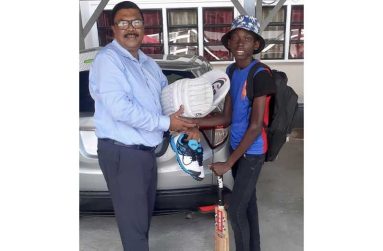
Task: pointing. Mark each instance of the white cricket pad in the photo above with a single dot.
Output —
(220, 83)
(196, 95)
(199, 96)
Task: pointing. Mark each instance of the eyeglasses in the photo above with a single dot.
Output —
(124, 24)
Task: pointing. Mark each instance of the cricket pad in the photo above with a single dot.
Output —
(199, 96)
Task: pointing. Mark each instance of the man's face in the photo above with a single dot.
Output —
(242, 44)
(128, 36)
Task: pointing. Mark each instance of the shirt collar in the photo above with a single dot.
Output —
(124, 52)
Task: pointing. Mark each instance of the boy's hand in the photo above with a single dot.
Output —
(220, 168)
(178, 123)
(193, 133)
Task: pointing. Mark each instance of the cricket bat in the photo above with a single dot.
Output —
(221, 236)
(221, 225)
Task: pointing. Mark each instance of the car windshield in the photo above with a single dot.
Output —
(87, 103)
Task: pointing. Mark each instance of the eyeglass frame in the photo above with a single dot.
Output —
(130, 22)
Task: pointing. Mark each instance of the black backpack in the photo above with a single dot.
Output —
(283, 105)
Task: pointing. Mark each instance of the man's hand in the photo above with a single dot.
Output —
(178, 123)
(220, 168)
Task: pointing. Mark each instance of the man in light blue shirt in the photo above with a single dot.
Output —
(126, 86)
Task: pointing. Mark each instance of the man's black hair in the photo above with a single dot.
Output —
(125, 5)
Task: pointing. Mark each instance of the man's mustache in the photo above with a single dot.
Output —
(130, 34)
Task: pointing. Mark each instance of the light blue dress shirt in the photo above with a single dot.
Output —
(127, 95)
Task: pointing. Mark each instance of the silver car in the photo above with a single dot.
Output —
(176, 190)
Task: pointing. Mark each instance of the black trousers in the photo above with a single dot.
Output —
(243, 210)
(131, 176)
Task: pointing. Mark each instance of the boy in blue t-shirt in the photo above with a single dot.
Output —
(248, 139)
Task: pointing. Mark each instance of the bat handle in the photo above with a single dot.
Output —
(220, 189)
(219, 178)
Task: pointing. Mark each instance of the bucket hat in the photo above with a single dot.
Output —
(248, 23)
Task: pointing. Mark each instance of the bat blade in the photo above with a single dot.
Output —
(221, 229)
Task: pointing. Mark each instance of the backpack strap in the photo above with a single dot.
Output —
(257, 67)
(230, 70)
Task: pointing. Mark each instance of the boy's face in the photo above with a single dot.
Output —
(242, 44)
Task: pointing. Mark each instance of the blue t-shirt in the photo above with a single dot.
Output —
(263, 85)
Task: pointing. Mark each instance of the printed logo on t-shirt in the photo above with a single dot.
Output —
(243, 93)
